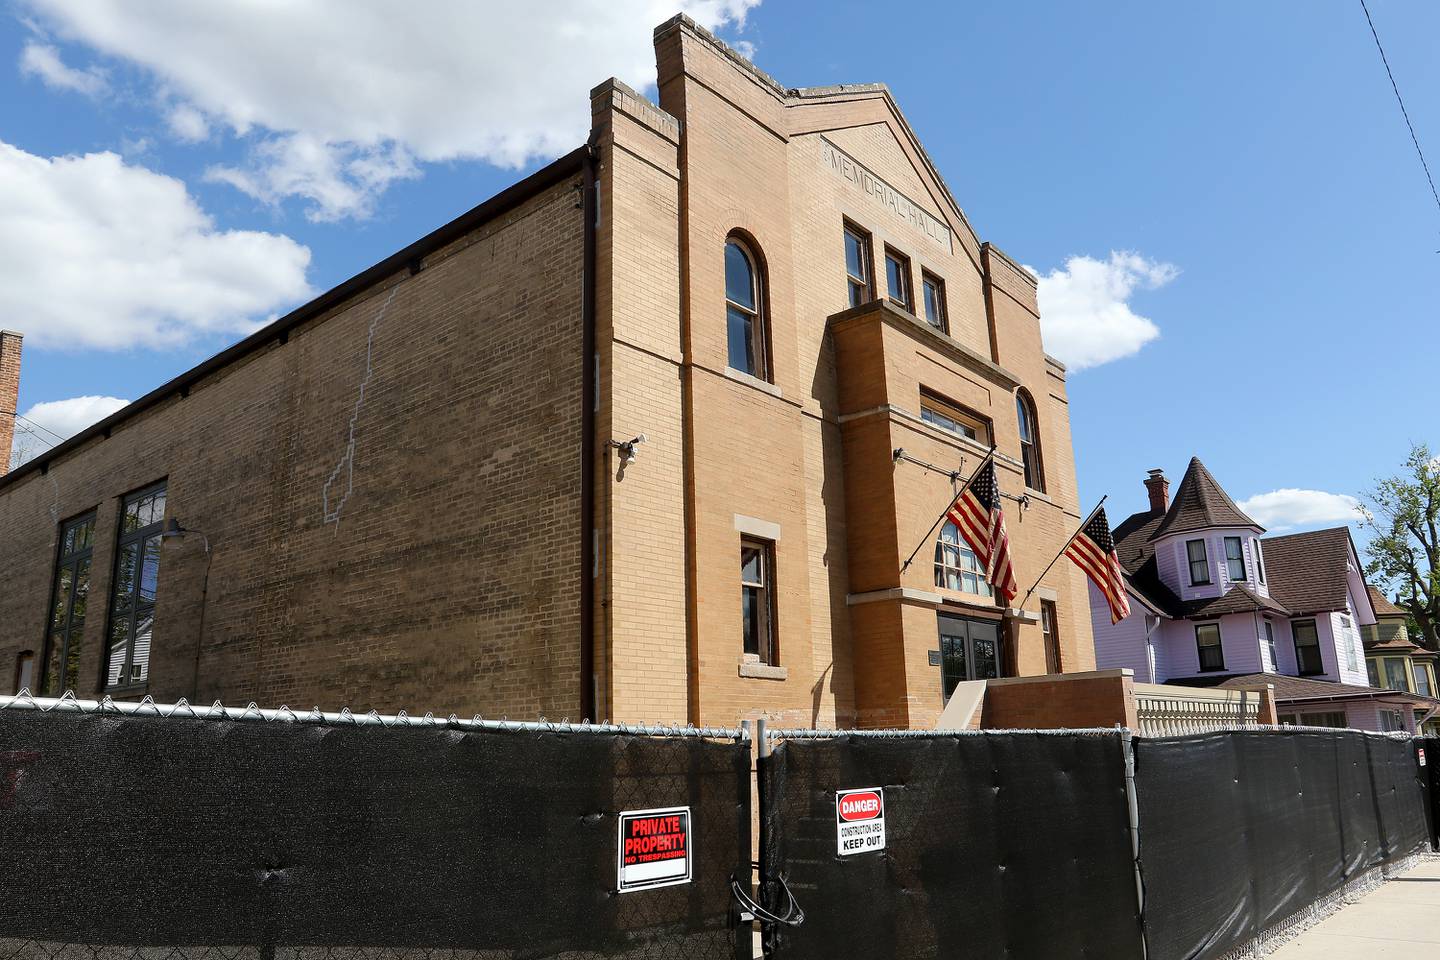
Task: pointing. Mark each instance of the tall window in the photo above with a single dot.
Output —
(933, 293)
(969, 650)
(1029, 442)
(25, 671)
(1350, 642)
(1422, 679)
(1259, 559)
(1235, 558)
(1049, 626)
(1395, 677)
(757, 598)
(68, 602)
(956, 566)
(947, 416)
(1307, 648)
(1372, 672)
(744, 311)
(132, 593)
(857, 264)
(1207, 640)
(1270, 646)
(897, 279)
(1199, 562)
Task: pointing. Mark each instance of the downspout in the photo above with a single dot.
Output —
(589, 552)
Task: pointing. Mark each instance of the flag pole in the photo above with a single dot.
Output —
(1087, 519)
(953, 497)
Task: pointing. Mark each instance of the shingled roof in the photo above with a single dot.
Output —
(1199, 503)
(1238, 599)
(1381, 603)
(1307, 570)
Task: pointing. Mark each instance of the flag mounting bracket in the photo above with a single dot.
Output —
(955, 475)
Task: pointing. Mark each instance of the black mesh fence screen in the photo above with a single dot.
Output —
(997, 845)
(1428, 753)
(1242, 830)
(232, 839)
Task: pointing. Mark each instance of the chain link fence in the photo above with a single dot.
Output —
(168, 833)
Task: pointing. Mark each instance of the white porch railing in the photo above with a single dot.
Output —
(1166, 711)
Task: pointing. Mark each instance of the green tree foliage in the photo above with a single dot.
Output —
(1403, 511)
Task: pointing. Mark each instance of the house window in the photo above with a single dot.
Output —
(947, 416)
(757, 598)
(1029, 442)
(25, 671)
(1307, 648)
(744, 310)
(1372, 672)
(68, 601)
(1199, 562)
(1048, 627)
(1347, 639)
(1207, 641)
(857, 264)
(933, 290)
(1270, 646)
(1334, 719)
(969, 650)
(1259, 559)
(897, 279)
(1235, 559)
(956, 566)
(1395, 678)
(1422, 679)
(132, 592)
(1392, 721)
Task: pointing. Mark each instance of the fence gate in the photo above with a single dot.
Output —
(1006, 844)
(261, 835)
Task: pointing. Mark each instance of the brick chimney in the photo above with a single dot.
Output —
(9, 393)
(1159, 489)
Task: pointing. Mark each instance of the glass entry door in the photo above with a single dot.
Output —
(969, 650)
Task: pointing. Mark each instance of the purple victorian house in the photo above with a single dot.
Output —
(1215, 603)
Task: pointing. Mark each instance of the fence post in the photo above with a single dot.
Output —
(1132, 802)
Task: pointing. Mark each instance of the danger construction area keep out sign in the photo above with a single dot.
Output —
(655, 848)
(860, 821)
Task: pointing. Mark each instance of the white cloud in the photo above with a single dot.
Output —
(377, 86)
(43, 61)
(46, 424)
(98, 253)
(1289, 509)
(1085, 313)
(188, 124)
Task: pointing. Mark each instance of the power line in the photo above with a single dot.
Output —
(33, 426)
(1401, 100)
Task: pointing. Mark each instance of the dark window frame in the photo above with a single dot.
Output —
(1299, 657)
(758, 316)
(968, 650)
(68, 639)
(1204, 558)
(929, 281)
(22, 659)
(865, 284)
(907, 280)
(1050, 629)
(1259, 559)
(1218, 646)
(1031, 456)
(1270, 643)
(767, 647)
(1229, 560)
(138, 605)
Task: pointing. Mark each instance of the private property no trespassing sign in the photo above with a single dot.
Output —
(860, 821)
(655, 849)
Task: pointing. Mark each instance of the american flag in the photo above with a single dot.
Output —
(977, 513)
(1093, 551)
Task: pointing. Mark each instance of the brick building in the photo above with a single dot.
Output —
(419, 489)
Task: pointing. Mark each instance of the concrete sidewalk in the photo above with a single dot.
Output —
(1398, 921)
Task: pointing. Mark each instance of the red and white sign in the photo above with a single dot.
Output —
(655, 848)
(1421, 754)
(859, 821)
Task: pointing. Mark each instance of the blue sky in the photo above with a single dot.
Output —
(1237, 175)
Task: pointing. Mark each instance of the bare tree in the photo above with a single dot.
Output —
(1403, 512)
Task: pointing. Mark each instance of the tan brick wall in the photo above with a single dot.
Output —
(450, 580)
(10, 343)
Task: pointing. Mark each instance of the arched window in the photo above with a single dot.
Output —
(744, 310)
(1029, 442)
(25, 671)
(956, 566)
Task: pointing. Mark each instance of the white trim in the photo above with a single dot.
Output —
(754, 527)
(903, 594)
